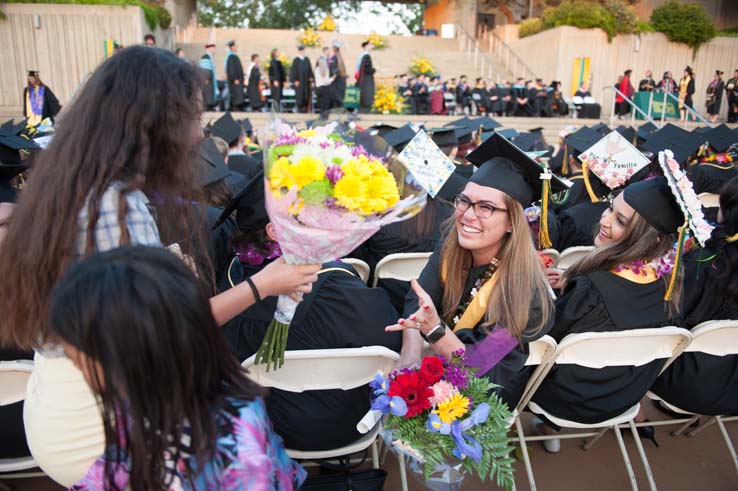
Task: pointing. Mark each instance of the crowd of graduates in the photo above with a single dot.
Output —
(140, 268)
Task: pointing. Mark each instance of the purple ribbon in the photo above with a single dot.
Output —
(488, 352)
(37, 99)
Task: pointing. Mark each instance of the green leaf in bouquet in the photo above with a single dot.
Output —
(316, 192)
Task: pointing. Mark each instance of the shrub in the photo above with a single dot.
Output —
(624, 17)
(530, 26)
(683, 23)
(643, 26)
(164, 17)
(581, 14)
(151, 12)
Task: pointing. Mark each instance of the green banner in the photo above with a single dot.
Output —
(351, 98)
(641, 99)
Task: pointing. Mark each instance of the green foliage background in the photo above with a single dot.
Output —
(155, 15)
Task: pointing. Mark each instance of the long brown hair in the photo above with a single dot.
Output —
(130, 124)
(640, 242)
(521, 286)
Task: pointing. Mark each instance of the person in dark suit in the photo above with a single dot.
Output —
(277, 76)
(234, 72)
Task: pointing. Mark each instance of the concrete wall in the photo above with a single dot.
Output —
(65, 48)
(551, 55)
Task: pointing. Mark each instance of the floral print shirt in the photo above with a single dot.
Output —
(249, 456)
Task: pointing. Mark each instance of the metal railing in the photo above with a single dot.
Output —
(691, 111)
(471, 46)
(627, 99)
(505, 54)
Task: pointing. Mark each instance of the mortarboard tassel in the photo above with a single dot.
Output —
(587, 184)
(677, 261)
(732, 238)
(565, 161)
(479, 134)
(544, 240)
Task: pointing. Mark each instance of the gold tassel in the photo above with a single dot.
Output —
(587, 184)
(479, 135)
(565, 161)
(544, 240)
(677, 260)
(732, 238)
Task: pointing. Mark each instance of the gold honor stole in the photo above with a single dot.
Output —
(643, 279)
(477, 307)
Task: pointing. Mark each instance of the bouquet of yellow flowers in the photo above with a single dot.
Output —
(286, 62)
(326, 192)
(309, 38)
(376, 40)
(422, 65)
(328, 24)
(387, 100)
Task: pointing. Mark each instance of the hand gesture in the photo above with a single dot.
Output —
(424, 319)
(280, 278)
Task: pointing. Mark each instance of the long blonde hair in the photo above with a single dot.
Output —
(521, 285)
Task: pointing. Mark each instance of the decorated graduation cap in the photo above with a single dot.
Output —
(613, 160)
(227, 128)
(720, 138)
(670, 205)
(501, 165)
(209, 164)
(12, 142)
(249, 205)
(579, 141)
(400, 137)
(682, 143)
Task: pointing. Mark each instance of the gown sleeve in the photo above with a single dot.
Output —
(430, 280)
(580, 301)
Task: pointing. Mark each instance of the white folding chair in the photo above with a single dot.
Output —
(540, 352)
(553, 254)
(13, 379)
(709, 200)
(401, 266)
(717, 338)
(449, 100)
(606, 349)
(325, 369)
(570, 255)
(360, 266)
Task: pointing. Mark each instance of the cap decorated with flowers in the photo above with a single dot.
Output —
(613, 159)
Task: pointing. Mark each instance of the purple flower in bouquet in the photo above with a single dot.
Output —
(289, 140)
(457, 376)
(249, 255)
(334, 174)
(358, 150)
(383, 402)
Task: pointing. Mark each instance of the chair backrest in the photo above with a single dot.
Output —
(402, 266)
(717, 338)
(448, 96)
(360, 266)
(540, 352)
(324, 369)
(288, 93)
(553, 254)
(13, 379)
(709, 200)
(571, 255)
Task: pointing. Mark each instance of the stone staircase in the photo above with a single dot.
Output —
(445, 55)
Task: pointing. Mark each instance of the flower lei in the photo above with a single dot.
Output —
(482, 278)
(662, 266)
(249, 255)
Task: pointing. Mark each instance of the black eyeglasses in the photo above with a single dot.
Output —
(482, 209)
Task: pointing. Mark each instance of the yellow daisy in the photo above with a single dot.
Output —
(280, 175)
(453, 408)
(307, 170)
(350, 192)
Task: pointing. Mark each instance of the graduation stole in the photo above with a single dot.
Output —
(228, 55)
(478, 306)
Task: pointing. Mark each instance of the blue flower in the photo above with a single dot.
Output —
(466, 446)
(393, 405)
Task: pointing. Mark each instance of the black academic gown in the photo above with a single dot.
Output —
(254, 92)
(421, 98)
(234, 72)
(276, 74)
(302, 71)
(338, 86)
(510, 374)
(698, 382)
(711, 177)
(220, 240)
(577, 224)
(366, 82)
(578, 191)
(244, 164)
(50, 107)
(602, 302)
(340, 312)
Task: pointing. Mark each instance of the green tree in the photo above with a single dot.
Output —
(278, 14)
(683, 23)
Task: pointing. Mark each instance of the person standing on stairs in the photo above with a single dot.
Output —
(365, 78)
(277, 77)
(303, 79)
(234, 72)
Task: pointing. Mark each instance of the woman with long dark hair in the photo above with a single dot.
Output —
(686, 90)
(181, 413)
(115, 173)
(698, 382)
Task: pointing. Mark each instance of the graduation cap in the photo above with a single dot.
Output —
(503, 166)
(653, 200)
(601, 128)
(227, 128)
(485, 122)
(628, 132)
(209, 164)
(531, 141)
(454, 184)
(613, 160)
(249, 205)
(508, 133)
(681, 142)
(720, 138)
(246, 125)
(381, 129)
(465, 121)
(582, 139)
(701, 130)
(645, 130)
(7, 172)
(33, 73)
(400, 137)
(464, 135)
(443, 137)
(11, 143)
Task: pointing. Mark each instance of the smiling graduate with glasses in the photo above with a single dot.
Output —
(462, 299)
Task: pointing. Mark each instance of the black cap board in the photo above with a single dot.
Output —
(485, 122)
(530, 142)
(508, 133)
(654, 201)
(646, 129)
(7, 192)
(582, 139)
(443, 137)
(681, 142)
(249, 205)
(454, 184)
(720, 138)
(701, 130)
(11, 142)
(400, 137)
(602, 128)
(502, 165)
(210, 166)
(246, 125)
(465, 121)
(227, 128)
(381, 129)
(463, 135)
(628, 132)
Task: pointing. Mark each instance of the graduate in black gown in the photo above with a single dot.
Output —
(234, 73)
(302, 79)
(277, 76)
(365, 80)
(474, 266)
(576, 143)
(254, 83)
(698, 382)
(232, 132)
(340, 312)
(39, 102)
(616, 287)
